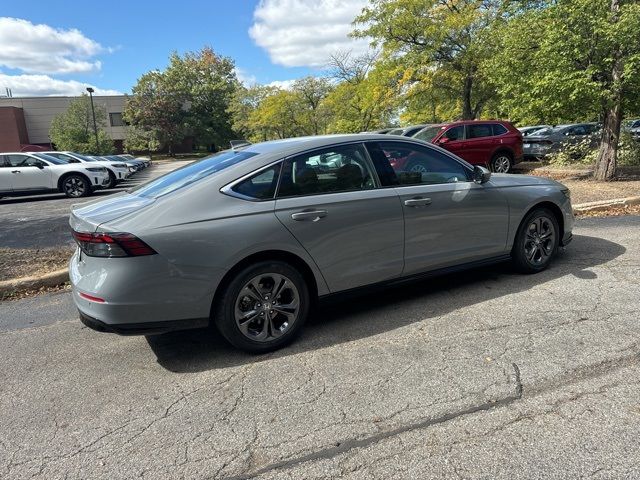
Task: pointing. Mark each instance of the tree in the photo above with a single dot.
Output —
(440, 41)
(190, 98)
(73, 129)
(313, 113)
(139, 140)
(244, 103)
(572, 60)
(365, 96)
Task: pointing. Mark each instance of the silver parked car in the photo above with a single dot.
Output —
(248, 238)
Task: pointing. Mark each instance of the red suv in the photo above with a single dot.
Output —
(493, 143)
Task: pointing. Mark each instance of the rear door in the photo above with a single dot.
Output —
(449, 219)
(479, 143)
(354, 231)
(28, 173)
(5, 175)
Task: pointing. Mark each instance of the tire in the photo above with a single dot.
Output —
(268, 328)
(501, 163)
(112, 180)
(75, 186)
(532, 249)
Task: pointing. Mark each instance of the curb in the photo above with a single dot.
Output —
(48, 280)
(605, 204)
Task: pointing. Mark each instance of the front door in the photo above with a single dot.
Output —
(354, 231)
(27, 173)
(449, 219)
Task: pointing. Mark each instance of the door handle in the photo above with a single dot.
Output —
(15, 171)
(313, 215)
(417, 202)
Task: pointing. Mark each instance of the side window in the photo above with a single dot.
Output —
(408, 164)
(21, 161)
(455, 133)
(501, 129)
(337, 169)
(3, 162)
(261, 186)
(579, 130)
(479, 131)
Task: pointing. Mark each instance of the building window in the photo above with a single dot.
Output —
(115, 119)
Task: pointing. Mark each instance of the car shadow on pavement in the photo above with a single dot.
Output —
(348, 318)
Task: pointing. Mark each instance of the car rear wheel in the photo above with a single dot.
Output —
(263, 308)
(536, 242)
(76, 186)
(501, 163)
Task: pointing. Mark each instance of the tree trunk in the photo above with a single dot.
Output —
(606, 163)
(467, 108)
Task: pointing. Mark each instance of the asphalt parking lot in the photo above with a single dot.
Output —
(485, 374)
(24, 219)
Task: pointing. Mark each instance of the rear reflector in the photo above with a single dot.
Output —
(91, 298)
(97, 244)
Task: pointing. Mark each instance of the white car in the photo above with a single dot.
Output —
(118, 171)
(22, 173)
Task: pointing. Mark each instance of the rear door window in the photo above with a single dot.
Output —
(479, 131)
(336, 169)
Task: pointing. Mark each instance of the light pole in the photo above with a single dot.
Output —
(95, 126)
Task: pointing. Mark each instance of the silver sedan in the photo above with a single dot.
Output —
(249, 238)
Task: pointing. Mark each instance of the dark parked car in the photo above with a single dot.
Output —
(494, 143)
(553, 139)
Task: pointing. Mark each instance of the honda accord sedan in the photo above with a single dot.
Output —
(249, 238)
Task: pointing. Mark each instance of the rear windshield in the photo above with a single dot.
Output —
(191, 173)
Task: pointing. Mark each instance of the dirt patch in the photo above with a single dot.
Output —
(16, 263)
(583, 191)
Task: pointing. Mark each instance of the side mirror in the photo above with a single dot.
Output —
(481, 175)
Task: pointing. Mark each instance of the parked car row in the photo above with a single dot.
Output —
(494, 144)
(71, 173)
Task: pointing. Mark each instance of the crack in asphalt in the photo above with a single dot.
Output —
(574, 376)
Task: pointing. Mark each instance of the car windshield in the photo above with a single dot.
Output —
(548, 131)
(191, 173)
(50, 159)
(428, 133)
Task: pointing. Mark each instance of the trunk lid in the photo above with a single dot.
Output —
(87, 217)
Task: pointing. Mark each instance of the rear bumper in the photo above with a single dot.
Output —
(150, 328)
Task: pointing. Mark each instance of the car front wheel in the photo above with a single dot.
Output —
(76, 186)
(263, 307)
(536, 242)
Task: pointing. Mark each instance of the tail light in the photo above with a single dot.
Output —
(108, 245)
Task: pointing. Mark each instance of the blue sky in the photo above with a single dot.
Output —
(54, 47)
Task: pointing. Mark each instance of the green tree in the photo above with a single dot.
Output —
(139, 140)
(73, 130)
(572, 60)
(245, 101)
(190, 98)
(441, 42)
(313, 114)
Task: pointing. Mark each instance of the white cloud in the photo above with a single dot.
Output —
(245, 77)
(304, 33)
(44, 85)
(283, 84)
(44, 49)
